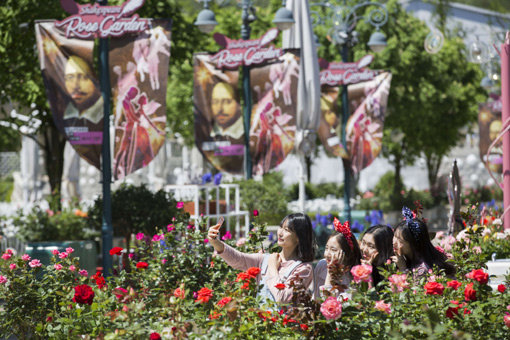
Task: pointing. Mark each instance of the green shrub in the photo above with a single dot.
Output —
(383, 199)
(312, 191)
(266, 196)
(47, 225)
(135, 209)
(6, 187)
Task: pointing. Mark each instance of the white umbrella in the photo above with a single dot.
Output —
(309, 92)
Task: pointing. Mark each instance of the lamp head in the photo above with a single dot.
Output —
(283, 19)
(206, 21)
(377, 42)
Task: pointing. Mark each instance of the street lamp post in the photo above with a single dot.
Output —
(206, 22)
(344, 21)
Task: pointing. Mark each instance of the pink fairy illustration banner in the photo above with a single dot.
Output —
(219, 129)
(72, 88)
(364, 129)
(138, 76)
(490, 125)
(273, 121)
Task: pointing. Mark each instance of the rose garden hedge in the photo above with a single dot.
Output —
(172, 286)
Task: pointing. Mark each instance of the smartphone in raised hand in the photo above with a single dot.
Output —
(221, 220)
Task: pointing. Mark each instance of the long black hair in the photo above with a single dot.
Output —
(301, 225)
(383, 239)
(352, 255)
(423, 249)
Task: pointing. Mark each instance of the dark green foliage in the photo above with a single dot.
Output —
(135, 209)
(48, 225)
(266, 196)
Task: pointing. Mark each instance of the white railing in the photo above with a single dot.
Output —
(213, 201)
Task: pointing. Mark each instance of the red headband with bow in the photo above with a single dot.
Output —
(344, 230)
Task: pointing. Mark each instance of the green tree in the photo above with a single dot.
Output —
(432, 97)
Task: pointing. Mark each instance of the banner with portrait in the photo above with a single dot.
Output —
(367, 105)
(72, 88)
(490, 125)
(138, 76)
(219, 129)
(273, 119)
(364, 129)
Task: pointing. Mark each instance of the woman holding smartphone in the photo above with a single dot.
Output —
(292, 263)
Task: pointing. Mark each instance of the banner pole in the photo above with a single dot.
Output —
(245, 35)
(107, 229)
(505, 116)
(346, 163)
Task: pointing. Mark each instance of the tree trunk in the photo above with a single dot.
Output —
(433, 164)
(54, 143)
(397, 186)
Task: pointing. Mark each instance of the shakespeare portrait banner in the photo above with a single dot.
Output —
(219, 129)
(364, 129)
(273, 121)
(138, 76)
(490, 125)
(72, 88)
(330, 122)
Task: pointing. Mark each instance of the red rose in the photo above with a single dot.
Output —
(83, 294)
(433, 288)
(116, 251)
(501, 288)
(253, 272)
(242, 276)
(280, 286)
(255, 213)
(469, 292)
(100, 281)
(479, 275)
(142, 265)
(454, 284)
(452, 311)
(303, 327)
(155, 336)
(224, 301)
(204, 295)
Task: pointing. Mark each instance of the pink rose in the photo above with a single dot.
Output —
(12, 266)
(6, 256)
(25, 257)
(170, 228)
(241, 242)
(69, 250)
(83, 272)
(62, 255)
(227, 236)
(140, 236)
(383, 307)
(331, 308)
(506, 318)
(362, 273)
(157, 238)
(57, 266)
(180, 205)
(477, 249)
(35, 263)
(131, 255)
(206, 240)
(3, 279)
(54, 251)
(398, 282)
(72, 268)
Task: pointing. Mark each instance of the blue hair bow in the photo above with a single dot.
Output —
(411, 222)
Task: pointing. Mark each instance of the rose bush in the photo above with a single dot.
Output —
(173, 286)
